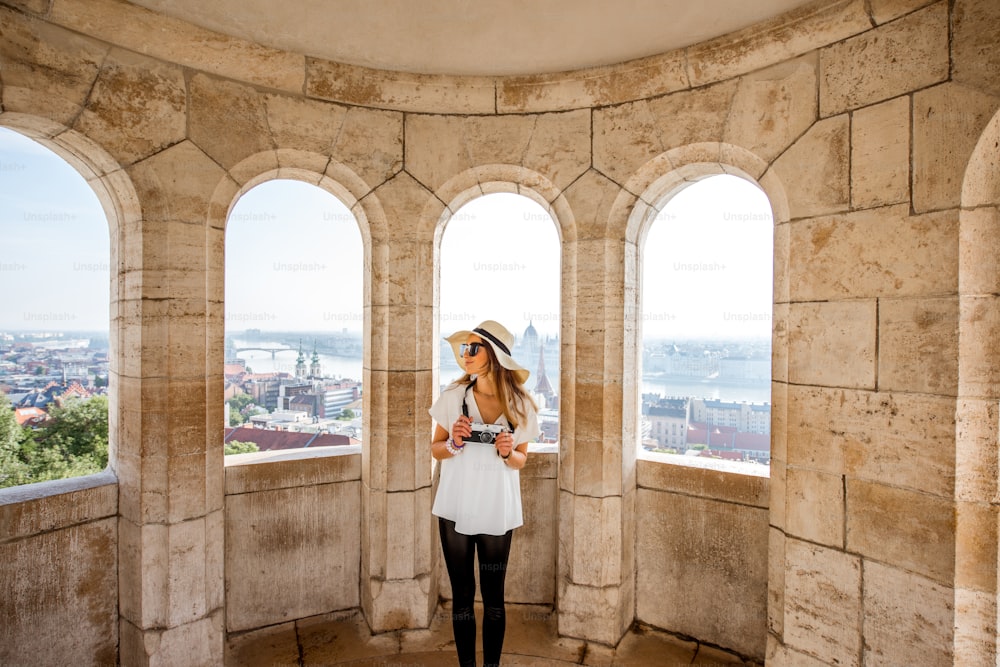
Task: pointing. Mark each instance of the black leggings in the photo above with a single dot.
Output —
(459, 552)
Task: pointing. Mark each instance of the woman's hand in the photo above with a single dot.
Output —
(461, 429)
(504, 443)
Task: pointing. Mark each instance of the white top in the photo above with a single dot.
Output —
(477, 490)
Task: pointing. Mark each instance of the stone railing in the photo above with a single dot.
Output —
(701, 550)
(293, 534)
(59, 572)
(293, 543)
(293, 550)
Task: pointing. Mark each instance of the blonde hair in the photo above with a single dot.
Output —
(513, 398)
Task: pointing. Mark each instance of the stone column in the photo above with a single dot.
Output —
(397, 588)
(169, 459)
(977, 413)
(596, 595)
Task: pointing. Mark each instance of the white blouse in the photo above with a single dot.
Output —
(477, 490)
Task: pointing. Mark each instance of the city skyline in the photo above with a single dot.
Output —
(499, 258)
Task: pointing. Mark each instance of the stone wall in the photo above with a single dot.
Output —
(858, 118)
(701, 553)
(293, 546)
(59, 572)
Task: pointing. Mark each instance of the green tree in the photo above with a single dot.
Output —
(73, 442)
(240, 401)
(13, 469)
(237, 404)
(347, 414)
(237, 447)
(79, 427)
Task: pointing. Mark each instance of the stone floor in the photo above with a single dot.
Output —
(343, 639)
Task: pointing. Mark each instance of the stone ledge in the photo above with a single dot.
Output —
(543, 461)
(32, 509)
(715, 479)
(287, 468)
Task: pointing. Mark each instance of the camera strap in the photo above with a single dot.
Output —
(465, 406)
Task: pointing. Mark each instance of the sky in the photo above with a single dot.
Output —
(54, 243)
(707, 265)
(294, 258)
(294, 261)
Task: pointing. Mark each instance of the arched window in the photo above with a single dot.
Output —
(54, 322)
(500, 260)
(707, 273)
(294, 320)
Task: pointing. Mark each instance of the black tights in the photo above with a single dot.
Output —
(459, 552)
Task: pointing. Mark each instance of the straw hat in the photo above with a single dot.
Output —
(497, 337)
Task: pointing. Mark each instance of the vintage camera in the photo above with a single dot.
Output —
(485, 433)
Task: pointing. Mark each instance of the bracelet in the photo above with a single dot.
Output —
(452, 448)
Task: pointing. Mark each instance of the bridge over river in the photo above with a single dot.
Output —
(272, 350)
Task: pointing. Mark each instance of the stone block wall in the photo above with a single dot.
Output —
(871, 127)
(58, 569)
(292, 531)
(701, 553)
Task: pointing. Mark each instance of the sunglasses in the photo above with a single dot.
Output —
(473, 348)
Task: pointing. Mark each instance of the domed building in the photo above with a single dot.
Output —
(526, 347)
(872, 127)
(529, 340)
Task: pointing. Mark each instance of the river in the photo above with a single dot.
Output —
(757, 392)
(259, 361)
(351, 368)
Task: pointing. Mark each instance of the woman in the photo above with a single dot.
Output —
(478, 501)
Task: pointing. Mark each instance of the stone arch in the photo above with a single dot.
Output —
(642, 198)
(670, 172)
(461, 189)
(488, 179)
(117, 195)
(658, 180)
(977, 413)
(318, 170)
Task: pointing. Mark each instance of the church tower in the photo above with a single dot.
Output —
(542, 385)
(315, 372)
(300, 364)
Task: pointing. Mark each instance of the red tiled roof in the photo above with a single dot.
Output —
(75, 389)
(329, 440)
(234, 369)
(25, 415)
(753, 441)
(725, 430)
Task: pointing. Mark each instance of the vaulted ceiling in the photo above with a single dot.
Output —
(475, 37)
